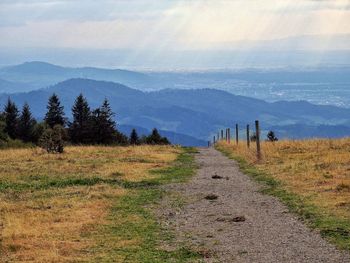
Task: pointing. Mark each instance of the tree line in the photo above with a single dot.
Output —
(87, 127)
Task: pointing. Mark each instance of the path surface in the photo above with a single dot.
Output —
(268, 234)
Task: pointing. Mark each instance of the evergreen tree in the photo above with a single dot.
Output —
(120, 138)
(134, 138)
(156, 138)
(55, 113)
(26, 124)
(3, 134)
(11, 119)
(80, 128)
(103, 124)
(164, 141)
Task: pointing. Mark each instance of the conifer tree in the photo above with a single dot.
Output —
(26, 124)
(134, 138)
(11, 119)
(55, 113)
(103, 124)
(80, 128)
(156, 138)
(3, 134)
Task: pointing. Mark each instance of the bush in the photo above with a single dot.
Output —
(253, 137)
(271, 137)
(14, 144)
(52, 139)
(3, 135)
(38, 131)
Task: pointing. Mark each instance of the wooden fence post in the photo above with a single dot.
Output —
(218, 138)
(236, 133)
(214, 140)
(257, 131)
(229, 135)
(248, 136)
(222, 134)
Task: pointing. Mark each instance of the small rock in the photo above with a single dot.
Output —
(238, 219)
(205, 253)
(215, 176)
(211, 197)
(228, 219)
(211, 215)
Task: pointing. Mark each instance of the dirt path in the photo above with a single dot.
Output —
(265, 231)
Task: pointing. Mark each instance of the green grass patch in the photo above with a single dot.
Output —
(335, 229)
(131, 220)
(47, 182)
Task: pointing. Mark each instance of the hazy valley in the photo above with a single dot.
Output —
(181, 104)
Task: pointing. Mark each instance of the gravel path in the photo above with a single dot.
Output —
(241, 225)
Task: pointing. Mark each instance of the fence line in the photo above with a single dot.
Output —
(248, 137)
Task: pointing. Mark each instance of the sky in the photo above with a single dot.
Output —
(166, 26)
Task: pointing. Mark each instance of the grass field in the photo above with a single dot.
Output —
(312, 177)
(89, 204)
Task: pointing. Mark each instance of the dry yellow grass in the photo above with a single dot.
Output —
(317, 170)
(22, 165)
(47, 225)
(56, 224)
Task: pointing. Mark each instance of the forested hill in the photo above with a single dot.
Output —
(197, 113)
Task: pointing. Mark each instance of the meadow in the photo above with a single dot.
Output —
(311, 176)
(89, 204)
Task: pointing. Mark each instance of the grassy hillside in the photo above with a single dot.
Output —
(88, 204)
(312, 177)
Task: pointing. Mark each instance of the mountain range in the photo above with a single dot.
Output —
(196, 113)
(36, 75)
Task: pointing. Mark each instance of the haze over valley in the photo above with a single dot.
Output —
(181, 104)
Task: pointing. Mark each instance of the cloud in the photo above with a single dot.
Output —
(164, 25)
(76, 10)
(18, 12)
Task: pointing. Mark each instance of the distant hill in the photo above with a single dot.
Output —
(36, 75)
(12, 87)
(195, 113)
(302, 131)
(323, 85)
